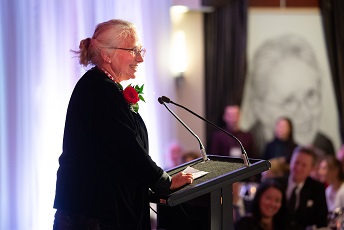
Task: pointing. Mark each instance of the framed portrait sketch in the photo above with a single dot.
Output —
(288, 75)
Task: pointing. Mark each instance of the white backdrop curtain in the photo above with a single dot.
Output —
(37, 75)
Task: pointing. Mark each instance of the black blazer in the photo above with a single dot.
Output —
(105, 171)
(312, 209)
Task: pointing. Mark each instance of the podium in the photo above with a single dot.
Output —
(207, 202)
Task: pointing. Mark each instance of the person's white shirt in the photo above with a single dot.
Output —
(335, 199)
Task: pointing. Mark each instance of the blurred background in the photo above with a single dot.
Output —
(200, 54)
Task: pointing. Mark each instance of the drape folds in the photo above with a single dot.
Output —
(37, 75)
(225, 57)
(333, 23)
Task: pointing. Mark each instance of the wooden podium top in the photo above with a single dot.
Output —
(222, 171)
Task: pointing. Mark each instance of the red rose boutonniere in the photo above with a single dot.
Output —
(132, 94)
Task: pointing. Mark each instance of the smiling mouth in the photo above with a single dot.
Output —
(134, 67)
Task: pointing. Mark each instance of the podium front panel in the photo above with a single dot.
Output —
(204, 204)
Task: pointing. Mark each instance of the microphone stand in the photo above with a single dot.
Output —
(202, 149)
(244, 154)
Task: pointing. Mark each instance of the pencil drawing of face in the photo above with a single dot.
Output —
(286, 82)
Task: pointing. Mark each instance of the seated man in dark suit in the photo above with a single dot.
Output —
(306, 196)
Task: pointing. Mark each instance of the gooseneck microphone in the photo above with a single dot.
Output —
(165, 99)
(201, 146)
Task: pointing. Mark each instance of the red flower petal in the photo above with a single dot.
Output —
(130, 95)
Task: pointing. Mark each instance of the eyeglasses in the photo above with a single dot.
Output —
(135, 50)
(311, 100)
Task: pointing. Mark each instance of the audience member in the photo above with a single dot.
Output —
(224, 145)
(279, 168)
(190, 155)
(335, 180)
(175, 152)
(306, 196)
(268, 209)
(283, 143)
(319, 170)
(340, 155)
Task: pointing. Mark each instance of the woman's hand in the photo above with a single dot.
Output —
(180, 180)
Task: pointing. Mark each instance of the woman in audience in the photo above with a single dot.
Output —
(283, 143)
(190, 155)
(319, 170)
(279, 168)
(335, 181)
(268, 209)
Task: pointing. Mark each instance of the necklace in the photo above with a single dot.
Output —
(119, 86)
(108, 74)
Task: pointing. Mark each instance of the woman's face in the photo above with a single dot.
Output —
(323, 171)
(270, 202)
(124, 63)
(282, 129)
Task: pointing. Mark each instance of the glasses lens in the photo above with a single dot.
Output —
(142, 51)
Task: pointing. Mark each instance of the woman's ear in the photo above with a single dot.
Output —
(106, 57)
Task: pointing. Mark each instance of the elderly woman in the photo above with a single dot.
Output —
(105, 171)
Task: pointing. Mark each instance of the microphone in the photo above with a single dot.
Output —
(244, 154)
(202, 149)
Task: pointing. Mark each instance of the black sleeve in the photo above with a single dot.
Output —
(163, 184)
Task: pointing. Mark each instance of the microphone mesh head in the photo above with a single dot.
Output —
(160, 100)
(166, 99)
